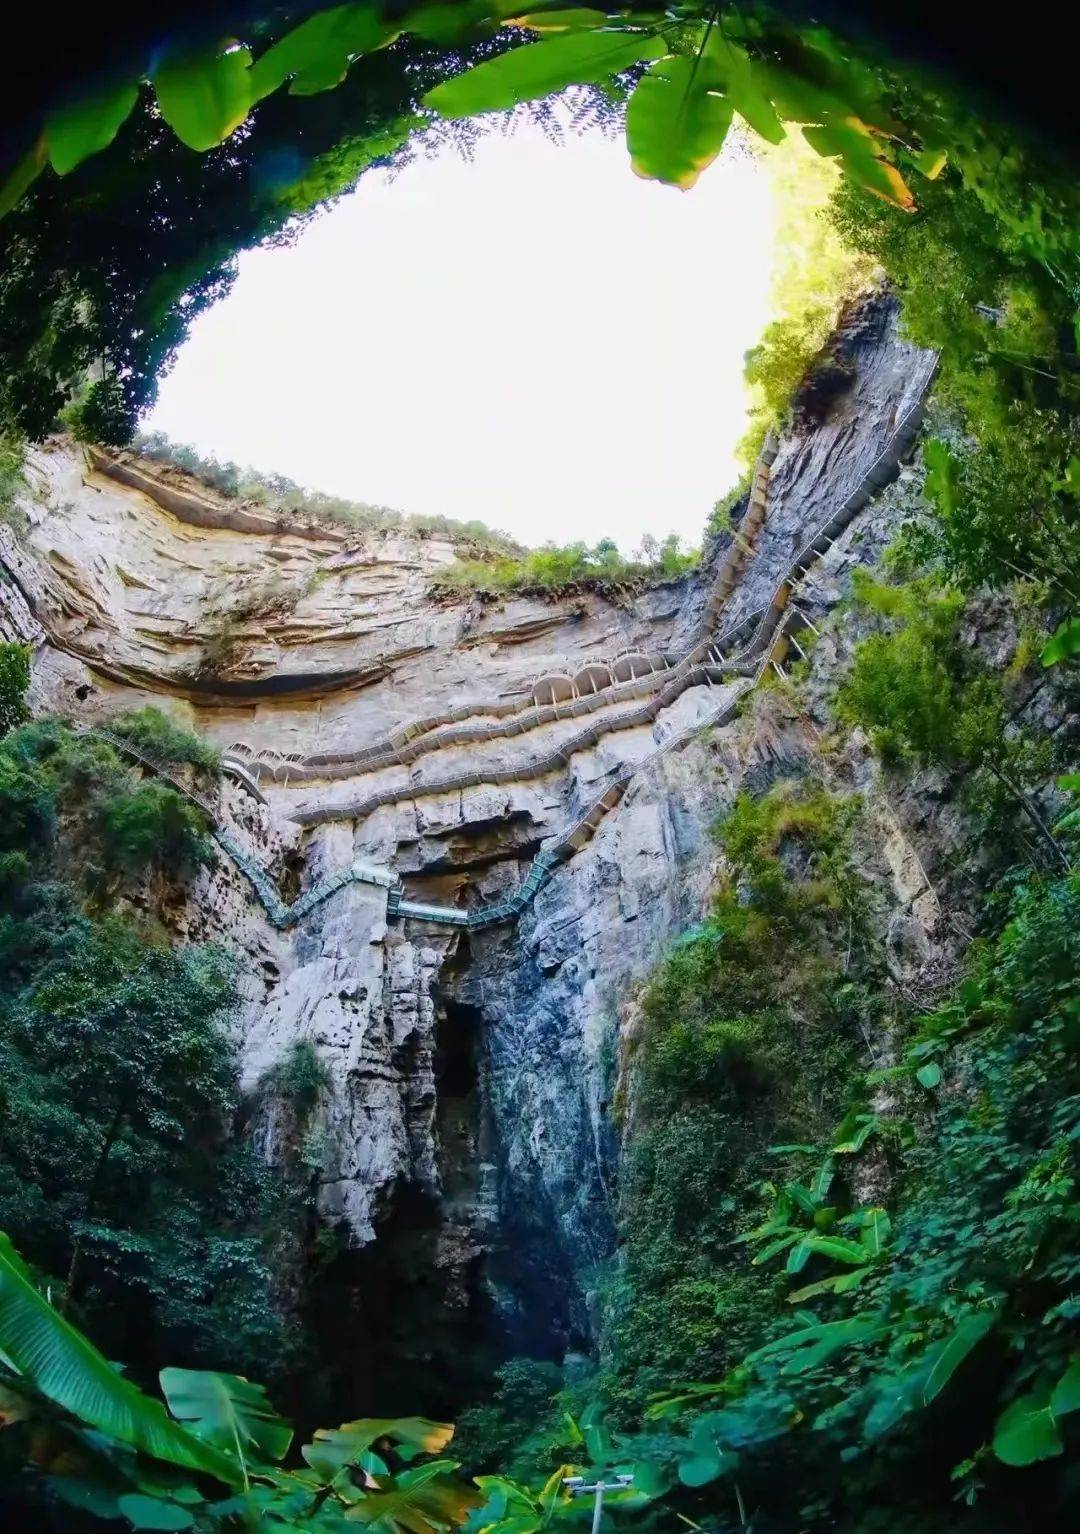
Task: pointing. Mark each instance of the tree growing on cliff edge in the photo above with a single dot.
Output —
(14, 685)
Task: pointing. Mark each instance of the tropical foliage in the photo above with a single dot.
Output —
(749, 1033)
(936, 1335)
(878, 1312)
(698, 77)
(126, 162)
(213, 1459)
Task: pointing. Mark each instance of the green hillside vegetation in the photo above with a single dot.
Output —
(119, 1176)
(281, 494)
(570, 566)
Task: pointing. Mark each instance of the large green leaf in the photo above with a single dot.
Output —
(204, 97)
(152, 1513)
(839, 1248)
(1027, 1431)
(875, 1227)
(781, 1244)
(539, 69)
(852, 142)
(930, 162)
(318, 52)
(894, 1400)
(708, 1458)
(838, 1283)
(833, 1333)
(812, 1345)
(823, 1179)
(948, 1355)
(745, 85)
(801, 1197)
(423, 1501)
(83, 127)
(227, 1411)
(336, 1447)
(577, 20)
(23, 175)
(796, 98)
(854, 1131)
(1063, 643)
(59, 1362)
(798, 1257)
(1066, 1396)
(676, 122)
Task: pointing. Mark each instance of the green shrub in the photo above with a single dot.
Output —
(164, 741)
(925, 1380)
(14, 873)
(554, 567)
(742, 1042)
(118, 1083)
(14, 685)
(153, 827)
(922, 694)
(1007, 506)
(300, 1078)
(902, 690)
(12, 452)
(722, 517)
(27, 805)
(47, 772)
(522, 1429)
(100, 414)
(754, 828)
(725, 1057)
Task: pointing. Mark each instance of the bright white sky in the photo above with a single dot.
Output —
(537, 338)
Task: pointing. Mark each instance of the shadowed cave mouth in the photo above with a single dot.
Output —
(481, 1255)
(451, 1286)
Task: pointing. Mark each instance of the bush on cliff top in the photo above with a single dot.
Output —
(554, 567)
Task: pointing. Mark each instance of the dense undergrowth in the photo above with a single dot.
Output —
(119, 1176)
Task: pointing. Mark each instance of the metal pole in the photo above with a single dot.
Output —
(598, 1507)
(577, 1486)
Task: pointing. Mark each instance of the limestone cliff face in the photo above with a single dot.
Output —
(467, 1148)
